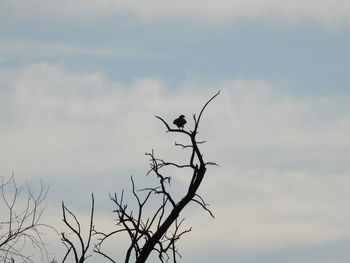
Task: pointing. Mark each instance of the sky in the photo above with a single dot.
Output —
(81, 82)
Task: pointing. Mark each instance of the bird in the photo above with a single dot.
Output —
(180, 122)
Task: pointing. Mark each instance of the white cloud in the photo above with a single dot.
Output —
(267, 210)
(330, 13)
(284, 161)
(83, 122)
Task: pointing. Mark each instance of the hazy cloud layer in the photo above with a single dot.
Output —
(329, 13)
(84, 117)
(17, 50)
(284, 161)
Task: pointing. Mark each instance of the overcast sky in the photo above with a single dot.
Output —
(81, 81)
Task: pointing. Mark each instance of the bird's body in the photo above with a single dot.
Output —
(180, 122)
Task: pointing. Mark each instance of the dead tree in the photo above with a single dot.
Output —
(160, 232)
(79, 247)
(20, 222)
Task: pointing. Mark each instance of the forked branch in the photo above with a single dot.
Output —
(159, 232)
(80, 251)
(20, 221)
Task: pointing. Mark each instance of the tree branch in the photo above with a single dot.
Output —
(79, 257)
(160, 231)
(22, 226)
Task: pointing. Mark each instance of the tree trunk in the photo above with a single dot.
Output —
(150, 244)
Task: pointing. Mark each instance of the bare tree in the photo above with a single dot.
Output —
(79, 247)
(20, 221)
(159, 232)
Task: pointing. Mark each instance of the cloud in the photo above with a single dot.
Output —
(19, 49)
(284, 165)
(52, 116)
(327, 13)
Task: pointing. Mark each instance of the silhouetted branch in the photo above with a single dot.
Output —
(212, 163)
(21, 221)
(159, 232)
(203, 204)
(200, 114)
(170, 129)
(197, 177)
(80, 255)
(183, 146)
(68, 251)
(98, 246)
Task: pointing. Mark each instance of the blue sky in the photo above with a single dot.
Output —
(80, 82)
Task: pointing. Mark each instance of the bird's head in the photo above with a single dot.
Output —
(182, 116)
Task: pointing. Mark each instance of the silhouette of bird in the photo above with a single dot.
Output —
(180, 122)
